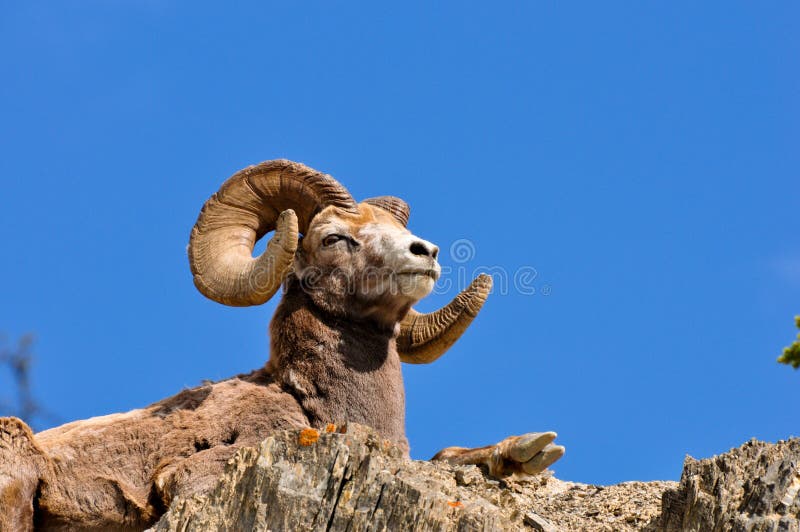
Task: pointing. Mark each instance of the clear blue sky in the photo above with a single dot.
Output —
(642, 157)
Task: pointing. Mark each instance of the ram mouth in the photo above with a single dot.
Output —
(433, 274)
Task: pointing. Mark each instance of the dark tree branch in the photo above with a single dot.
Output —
(18, 360)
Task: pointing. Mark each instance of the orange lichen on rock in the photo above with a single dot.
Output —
(330, 427)
(308, 437)
(455, 504)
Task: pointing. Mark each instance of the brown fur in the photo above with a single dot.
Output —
(119, 472)
(339, 369)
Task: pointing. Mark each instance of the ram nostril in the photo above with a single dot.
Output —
(435, 253)
(418, 248)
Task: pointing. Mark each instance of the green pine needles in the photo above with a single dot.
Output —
(791, 354)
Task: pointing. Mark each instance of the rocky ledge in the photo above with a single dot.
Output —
(351, 479)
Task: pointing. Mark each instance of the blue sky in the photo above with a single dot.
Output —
(642, 158)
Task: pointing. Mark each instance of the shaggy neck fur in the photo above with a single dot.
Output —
(339, 369)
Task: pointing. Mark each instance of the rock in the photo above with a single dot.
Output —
(468, 474)
(354, 480)
(538, 523)
(304, 480)
(752, 488)
(572, 506)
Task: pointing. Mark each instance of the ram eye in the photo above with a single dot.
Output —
(331, 240)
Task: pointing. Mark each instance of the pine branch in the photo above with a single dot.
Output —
(791, 354)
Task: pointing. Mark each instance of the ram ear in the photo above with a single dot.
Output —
(394, 206)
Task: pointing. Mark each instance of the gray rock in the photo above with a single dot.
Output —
(752, 488)
(468, 474)
(352, 481)
(539, 523)
(357, 481)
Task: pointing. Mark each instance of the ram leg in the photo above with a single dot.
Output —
(526, 455)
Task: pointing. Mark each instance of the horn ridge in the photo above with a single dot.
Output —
(423, 338)
(394, 206)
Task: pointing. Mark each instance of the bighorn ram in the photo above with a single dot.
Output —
(338, 337)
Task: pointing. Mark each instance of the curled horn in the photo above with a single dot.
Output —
(275, 195)
(395, 206)
(425, 337)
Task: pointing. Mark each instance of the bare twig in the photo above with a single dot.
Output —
(18, 360)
